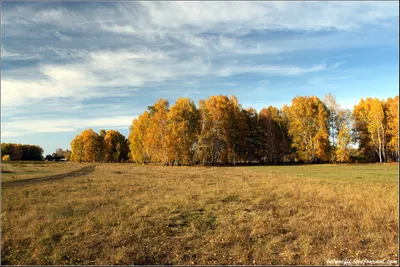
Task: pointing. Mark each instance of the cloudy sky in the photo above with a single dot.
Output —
(71, 66)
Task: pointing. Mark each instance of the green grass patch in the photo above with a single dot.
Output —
(336, 172)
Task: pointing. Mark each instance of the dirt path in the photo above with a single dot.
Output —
(80, 172)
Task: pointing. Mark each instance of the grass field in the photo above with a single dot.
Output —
(263, 215)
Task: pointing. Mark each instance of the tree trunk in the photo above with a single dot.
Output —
(380, 152)
(380, 146)
(384, 145)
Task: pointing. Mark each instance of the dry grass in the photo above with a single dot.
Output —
(18, 170)
(130, 214)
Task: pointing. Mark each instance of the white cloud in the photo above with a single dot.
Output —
(125, 29)
(16, 92)
(29, 126)
(5, 54)
(270, 69)
(232, 16)
(197, 17)
(115, 58)
(113, 49)
(124, 68)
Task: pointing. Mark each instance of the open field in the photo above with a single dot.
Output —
(131, 214)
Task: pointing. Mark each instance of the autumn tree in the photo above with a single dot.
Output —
(102, 146)
(392, 113)
(275, 144)
(288, 150)
(116, 146)
(333, 122)
(377, 127)
(182, 131)
(138, 141)
(204, 141)
(103, 133)
(308, 128)
(236, 131)
(361, 135)
(339, 122)
(371, 127)
(90, 145)
(252, 136)
(157, 134)
(86, 147)
(77, 149)
(214, 134)
(343, 126)
(67, 154)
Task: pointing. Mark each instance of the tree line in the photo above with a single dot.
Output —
(10, 151)
(220, 131)
(16, 152)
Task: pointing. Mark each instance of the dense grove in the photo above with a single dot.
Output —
(108, 146)
(220, 131)
(11, 151)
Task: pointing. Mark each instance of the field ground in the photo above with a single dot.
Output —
(263, 215)
(15, 171)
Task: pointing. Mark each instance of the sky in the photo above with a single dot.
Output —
(66, 67)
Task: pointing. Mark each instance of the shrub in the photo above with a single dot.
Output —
(6, 158)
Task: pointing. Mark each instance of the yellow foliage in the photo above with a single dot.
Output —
(6, 158)
(308, 128)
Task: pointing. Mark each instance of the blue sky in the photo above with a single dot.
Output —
(71, 66)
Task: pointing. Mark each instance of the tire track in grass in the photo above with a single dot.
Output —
(81, 172)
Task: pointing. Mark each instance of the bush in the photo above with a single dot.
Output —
(5, 158)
